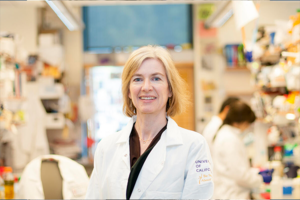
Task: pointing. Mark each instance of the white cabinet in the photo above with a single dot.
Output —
(50, 94)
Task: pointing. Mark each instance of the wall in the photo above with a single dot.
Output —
(120, 58)
(21, 20)
(73, 44)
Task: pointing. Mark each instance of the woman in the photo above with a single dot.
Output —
(152, 157)
(234, 176)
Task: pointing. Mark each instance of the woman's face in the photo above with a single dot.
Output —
(149, 88)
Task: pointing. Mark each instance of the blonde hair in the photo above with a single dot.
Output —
(179, 99)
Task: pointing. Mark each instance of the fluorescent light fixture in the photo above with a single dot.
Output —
(65, 15)
(290, 116)
(223, 12)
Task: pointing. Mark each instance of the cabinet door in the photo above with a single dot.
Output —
(187, 119)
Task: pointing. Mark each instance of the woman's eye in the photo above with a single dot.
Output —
(137, 79)
(156, 79)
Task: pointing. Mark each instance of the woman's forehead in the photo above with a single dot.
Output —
(151, 66)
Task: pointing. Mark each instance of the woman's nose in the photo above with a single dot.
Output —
(147, 85)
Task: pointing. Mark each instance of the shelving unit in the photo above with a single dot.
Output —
(237, 69)
(241, 93)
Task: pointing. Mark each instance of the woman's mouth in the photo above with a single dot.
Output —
(147, 98)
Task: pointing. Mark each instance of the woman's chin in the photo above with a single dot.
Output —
(147, 111)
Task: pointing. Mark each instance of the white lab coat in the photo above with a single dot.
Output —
(233, 176)
(179, 166)
(31, 140)
(75, 179)
(211, 129)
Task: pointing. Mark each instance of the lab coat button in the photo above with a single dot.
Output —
(139, 190)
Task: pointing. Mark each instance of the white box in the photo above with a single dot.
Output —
(46, 39)
(54, 121)
(51, 92)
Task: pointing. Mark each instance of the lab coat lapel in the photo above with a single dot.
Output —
(67, 180)
(126, 154)
(72, 189)
(35, 177)
(156, 159)
(151, 168)
(123, 141)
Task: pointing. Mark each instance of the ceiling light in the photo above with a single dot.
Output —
(65, 15)
(220, 16)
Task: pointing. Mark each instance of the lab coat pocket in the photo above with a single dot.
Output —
(162, 195)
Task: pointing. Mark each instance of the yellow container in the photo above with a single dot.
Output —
(9, 189)
(8, 183)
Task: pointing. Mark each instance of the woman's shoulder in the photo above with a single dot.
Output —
(190, 136)
(225, 135)
(110, 140)
(185, 134)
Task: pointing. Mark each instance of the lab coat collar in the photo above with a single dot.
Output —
(232, 129)
(125, 132)
(64, 173)
(217, 118)
(173, 136)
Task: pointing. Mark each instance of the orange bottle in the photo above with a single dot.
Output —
(8, 183)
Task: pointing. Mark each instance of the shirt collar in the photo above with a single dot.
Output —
(173, 136)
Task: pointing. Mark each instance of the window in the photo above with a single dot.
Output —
(112, 28)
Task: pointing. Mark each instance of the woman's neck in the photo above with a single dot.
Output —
(148, 126)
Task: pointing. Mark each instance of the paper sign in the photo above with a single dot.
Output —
(205, 33)
(205, 10)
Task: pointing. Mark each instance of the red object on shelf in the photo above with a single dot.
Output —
(1, 170)
(207, 33)
(277, 149)
(89, 142)
(265, 195)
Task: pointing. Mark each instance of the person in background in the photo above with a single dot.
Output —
(233, 176)
(216, 121)
(152, 157)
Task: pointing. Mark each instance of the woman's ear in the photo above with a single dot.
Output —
(129, 94)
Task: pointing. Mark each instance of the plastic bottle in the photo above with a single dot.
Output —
(8, 183)
(16, 184)
(276, 188)
(1, 188)
(277, 153)
(287, 187)
(296, 185)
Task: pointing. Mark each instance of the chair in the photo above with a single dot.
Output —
(53, 177)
